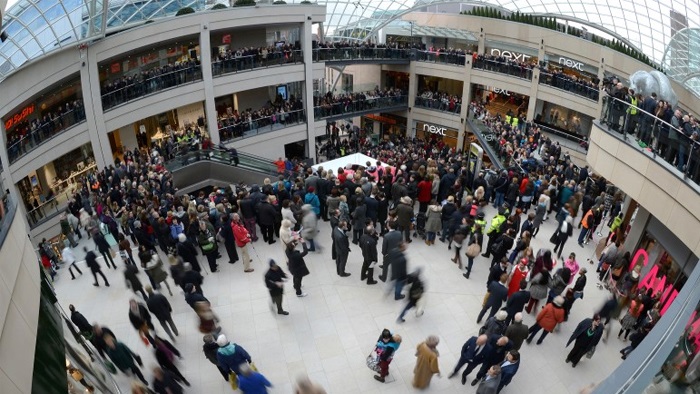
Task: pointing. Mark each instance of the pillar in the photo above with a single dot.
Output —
(412, 92)
(90, 85)
(307, 51)
(207, 79)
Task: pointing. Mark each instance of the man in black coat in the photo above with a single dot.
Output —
(266, 220)
(141, 237)
(229, 241)
(80, 321)
(516, 302)
(192, 277)
(584, 341)
(187, 251)
(160, 307)
(91, 260)
(500, 346)
(498, 293)
(368, 243)
(372, 206)
(474, 352)
(342, 248)
(274, 280)
(192, 296)
(103, 247)
(399, 270)
(297, 265)
(392, 240)
(247, 205)
(496, 271)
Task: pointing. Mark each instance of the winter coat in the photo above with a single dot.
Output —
(297, 265)
(121, 356)
(404, 214)
(273, 276)
(550, 316)
(309, 225)
(158, 305)
(359, 216)
(231, 357)
(433, 222)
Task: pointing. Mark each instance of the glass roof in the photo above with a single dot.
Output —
(682, 59)
(34, 28)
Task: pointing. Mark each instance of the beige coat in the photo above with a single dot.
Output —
(426, 366)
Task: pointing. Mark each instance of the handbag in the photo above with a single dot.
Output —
(208, 247)
(554, 238)
(233, 380)
(486, 298)
(373, 361)
(590, 352)
(473, 250)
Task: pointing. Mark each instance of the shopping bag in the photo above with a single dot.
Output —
(373, 361)
(486, 298)
(473, 250)
(233, 380)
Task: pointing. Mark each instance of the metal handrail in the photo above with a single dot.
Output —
(41, 134)
(254, 125)
(436, 104)
(660, 136)
(339, 106)
(583, 91)
(458, 59)
(511, 68)
(361, 53)
(39, 215)
(141, 88)
(232, 64)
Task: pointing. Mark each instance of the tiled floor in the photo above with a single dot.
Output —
(329, 333)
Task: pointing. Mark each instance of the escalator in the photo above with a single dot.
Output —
(200, 168)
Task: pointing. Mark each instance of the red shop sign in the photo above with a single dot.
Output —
(18, 117)
(116, 67)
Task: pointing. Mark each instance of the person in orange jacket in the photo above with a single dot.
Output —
(240, 233)
(548, 318)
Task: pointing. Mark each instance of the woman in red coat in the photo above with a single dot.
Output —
(548, 318)
(518, 274)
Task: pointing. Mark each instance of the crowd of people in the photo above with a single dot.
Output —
(442, 101)
(133, 203)
(127, 87)
(280, 112)
(25, 136)
(247, 58)
(571, 83)
(330, 104)
(503, 64)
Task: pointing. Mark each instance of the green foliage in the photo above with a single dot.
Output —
(279, 2)
(185, 11)
(219, 6)
(244, 3)
(305, 2)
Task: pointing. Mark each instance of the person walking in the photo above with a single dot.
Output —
(306, 386)
(132, 280)
(562, 234)
(297, 265)
(516, 301)
(368, 244)
(210, 349)
(123, 357)
(80, 321)
(251, 381)
(274, 280)
(231, 355)
(399, 270)
(207, 243)
(517, 331)
(104, 249)
(191, 277)
(187, 251)
(539, 288)
(165, 382)
(386, 348)
(154, 269)
(426, 362)
(309, 227)
(489, 384)
(159, 305)
(497, 295)
(391, 240)
(585, 337)
(243, 238)
(476, 240)
(415, 293)
(69, 258)
(91, 260)
(473, 354)
(165, 354)
(342, 248)
(141, 320)
(548, 318)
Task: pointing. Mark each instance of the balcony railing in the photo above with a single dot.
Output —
(343, 107)
(143, 87)
(44, 133)
(352, 53)
(438, 105)
(561, 82)
(510, 68)
(237, 64)
(673, 141)
(184, 158)
(230, 131)
(48, 209)
(457, 59)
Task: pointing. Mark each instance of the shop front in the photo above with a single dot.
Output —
(47, 189)
(571, 67)
(511, 52)
(384, 126)
(436, 133)
(500, 101)
(563, 119)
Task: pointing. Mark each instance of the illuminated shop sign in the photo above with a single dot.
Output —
(518, 57)
(434, 129)
(18, 117)
(501, 91)
(571, 63)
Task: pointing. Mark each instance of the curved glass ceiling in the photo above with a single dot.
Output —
(34, 28)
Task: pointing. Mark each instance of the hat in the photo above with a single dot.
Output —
(311, 189)
(221, 340)
(558, 301)
(501, 315)
(137, 224)
(181, 237)
(406, 200)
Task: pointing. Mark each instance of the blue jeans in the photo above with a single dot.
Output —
(470, 262)
(411, 304)
(430, 236)
(398, 286)
(582, 235)
(312, 245)
(445, 230)
(500, 199)
(681, 156)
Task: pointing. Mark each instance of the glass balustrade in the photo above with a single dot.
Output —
(235, 64)
(346, 105)
(231, 130)
(436, 104)
(457, 59)
(359, 53)
(511, 68)
(563, 82)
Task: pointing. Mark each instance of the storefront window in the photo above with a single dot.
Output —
(563, 119)
(500, 101)
(437, 134)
